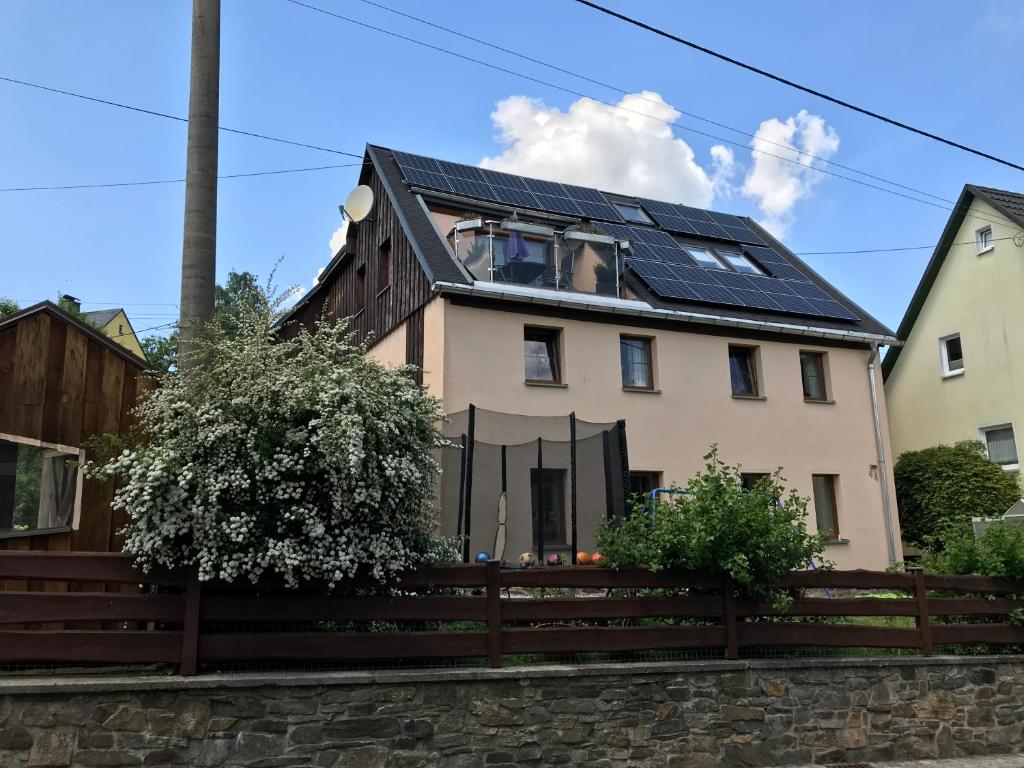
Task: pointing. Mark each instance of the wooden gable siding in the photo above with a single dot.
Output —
(386, 307)
(58, 385)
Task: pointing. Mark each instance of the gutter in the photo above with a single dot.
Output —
(883, 473)
(632, 308)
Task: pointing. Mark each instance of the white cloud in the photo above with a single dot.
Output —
(338, 239)
(597, 145)
(778, 185)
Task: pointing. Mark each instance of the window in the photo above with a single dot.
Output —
(361, 288)
(1002, 447)
(548, 491)
(740, 262)
(751, 479)
(636, 359)
(384, 264)
(743, 371)
(644, 482)
(812, 372)
(37, 488)
(951, 352)
(705, 258)
(540, 350)
(985, 239)
(523, 260)
(826, 510)
(632, 212)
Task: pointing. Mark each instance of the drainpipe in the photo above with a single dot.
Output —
(883, 474)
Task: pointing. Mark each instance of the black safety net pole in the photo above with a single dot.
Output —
(462, 486)
(620, 426)
(609, 501)
(541, 512)
(471, 429)
(572, 482)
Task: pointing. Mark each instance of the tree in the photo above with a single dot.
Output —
(946, 485)
(299, 457)
(161, 351)
(8, 306)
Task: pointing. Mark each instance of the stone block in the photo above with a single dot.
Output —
(52, 749)
(15, 738)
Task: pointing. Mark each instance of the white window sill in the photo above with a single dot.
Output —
(953, 374)
(555, 384)
(986, 250)
(748, 397)
(1011, 467)
(840, 542)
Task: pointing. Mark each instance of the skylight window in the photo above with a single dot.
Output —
(740, 263)
(705, 258)
(632, 213)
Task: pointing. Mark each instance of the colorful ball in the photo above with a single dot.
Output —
(582, 558)
(554, 560)
(527, 560)
(596, 558)
(483, 557)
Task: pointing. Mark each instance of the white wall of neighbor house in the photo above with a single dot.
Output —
(692, 406)
(979, 296)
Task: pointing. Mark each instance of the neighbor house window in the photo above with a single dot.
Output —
(743, 371)
(548, 491)
(636, 359)
(812, 373)
(644, 482)
(826, 510)
(37, 488)
(540, 350)
(705, 258)
(751, 479)
(384, 264)
(632, 213)
(361, 288)
(739, 262)
(951, 351)
(985, 240)
(1002, 447)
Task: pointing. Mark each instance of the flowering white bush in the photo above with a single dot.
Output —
(299, 457)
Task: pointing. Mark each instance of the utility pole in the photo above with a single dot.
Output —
(199, 251)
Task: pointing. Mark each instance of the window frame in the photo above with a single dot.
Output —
(360, 289)
(979, 239)
(835, 534)
(385, 265)
(536, 494)
(944, 370)
(722, 265)
(983, 435)
(77, 454)
(755, 373)
(618, 205)
(826, 384)
(555, 358)
(748, 480)
(651, 474)
(727, 255)
(648, 342)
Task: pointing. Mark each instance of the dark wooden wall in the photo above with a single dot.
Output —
(60, 384)
(384, 311)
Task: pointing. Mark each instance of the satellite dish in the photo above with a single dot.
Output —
(359, 203)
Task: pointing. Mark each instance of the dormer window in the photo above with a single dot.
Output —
(632, 213)
(985, 240)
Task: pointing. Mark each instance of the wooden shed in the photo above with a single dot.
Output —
(61, 381)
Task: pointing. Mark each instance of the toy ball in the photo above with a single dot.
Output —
(596, 558)
(582, 558)
(483, 557)
(554, 560)
(527, 560)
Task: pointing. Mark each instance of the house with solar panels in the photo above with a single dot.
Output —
(681, 328)
(960, 374)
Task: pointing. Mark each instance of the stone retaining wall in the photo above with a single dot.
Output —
(677, 715)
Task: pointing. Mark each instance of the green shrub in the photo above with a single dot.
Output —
(756, 536)
(999, 552)
(946, 486)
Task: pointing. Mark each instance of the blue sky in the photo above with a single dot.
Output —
(951, 67)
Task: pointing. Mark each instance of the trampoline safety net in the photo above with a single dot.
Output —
(512, 484)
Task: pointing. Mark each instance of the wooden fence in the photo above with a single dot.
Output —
(488, 609)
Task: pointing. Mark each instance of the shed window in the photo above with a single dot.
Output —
(37, 488)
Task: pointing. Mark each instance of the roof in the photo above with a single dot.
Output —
(664, 275)
(102, 317)
(83, 327)
(1009, 204)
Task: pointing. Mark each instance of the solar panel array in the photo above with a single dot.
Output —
(666, 267)
(655, 255)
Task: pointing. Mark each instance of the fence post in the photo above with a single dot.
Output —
(494, 613)
(924, 625)
(190, 624)
(732, 643)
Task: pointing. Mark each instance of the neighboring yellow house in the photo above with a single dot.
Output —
(960, 373)
(115, 325)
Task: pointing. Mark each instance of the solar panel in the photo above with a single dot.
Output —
(513, 196)
(785, 271)
(766, 255)
(597, 210)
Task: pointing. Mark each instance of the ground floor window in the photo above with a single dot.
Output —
(826, 510)
(548, 490)
(1001, 445)
(644, 482)
(751, 479)
(37, 487)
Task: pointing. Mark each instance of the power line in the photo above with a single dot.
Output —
(177, 118)
(894, 250)
(579, 94)
(813, 92)
(177, 181)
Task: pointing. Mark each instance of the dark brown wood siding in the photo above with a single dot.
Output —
(61, 385)
(387, 305)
